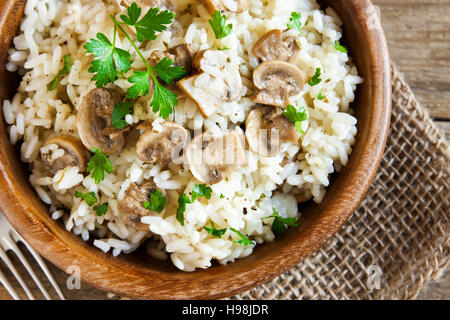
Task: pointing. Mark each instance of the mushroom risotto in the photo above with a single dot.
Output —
(190, 128)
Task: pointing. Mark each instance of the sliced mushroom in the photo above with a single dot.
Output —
(266, 129)
(217, 80)
(180, 55)
(132, 204)
(237, 6)
(147, 4)
(75, 154)
(163, 147)
(209, 158)
(94, 122)
(277, 45)
(277, 81)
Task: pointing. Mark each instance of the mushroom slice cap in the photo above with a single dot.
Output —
(75, 154)
(218, 80)
(266, 129)
(210, 158)
(94, 122)
(163, 147)
(277, 45)
(180, 55)
(277, 81)
(132, 204)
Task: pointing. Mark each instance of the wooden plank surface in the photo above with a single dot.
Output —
(418, 33)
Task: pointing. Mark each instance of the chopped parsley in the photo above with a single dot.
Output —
(222, 196)
(65, 70)
(219, 26)
(223, 48)
(182, 201)
(244, 241)
(320, 96)
(339, 47)
(98, 165)
(102, 209)
(201, 190)
(89, 197)
(279, 224)
(215, 232)
(296, 116)
(295, 22)
(315, 80)
(157, 202)
(112, 62)
(121, 109)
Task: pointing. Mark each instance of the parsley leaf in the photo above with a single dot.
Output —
(89, 197)
(244, 241)
(163, 101)
(121, 109)
(296, 116)
(141, 84)
(111, 60)
(157, 202)
(201, 191)
(102, 209)
(153, 21)
(65, 70)
(295, 22)
(279, 223)
(315, 80)
(339, 47)
(215, 232)
(320, 96)
(223, 48)
(182, 201)
(98, 165)
(168, 72)
(222, 196)
(217, 24)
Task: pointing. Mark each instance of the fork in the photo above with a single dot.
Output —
(8, 242)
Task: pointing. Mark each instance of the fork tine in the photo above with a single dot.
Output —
(5, 283)
(13, 247)
(16, 274)
(44, 268)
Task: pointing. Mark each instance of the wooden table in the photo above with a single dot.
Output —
(418, 32)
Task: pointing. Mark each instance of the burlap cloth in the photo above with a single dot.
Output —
(399, 235)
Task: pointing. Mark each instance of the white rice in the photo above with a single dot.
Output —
(52, 28)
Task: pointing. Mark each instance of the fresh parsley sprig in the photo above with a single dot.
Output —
(89, 197)
(340, 47)
(296, 116)
(219, 26)
(102, 209)
(315, 80)
(65, 70)
(157, 202)
(98, 165)
(153, 21)
(218, 233)
(121, 109)
(244, 240)
(295, 22)
(199, 190)
(111, 61)
(279, 224)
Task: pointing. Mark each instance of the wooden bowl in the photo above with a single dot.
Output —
(139, 276)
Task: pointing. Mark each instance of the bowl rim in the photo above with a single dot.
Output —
(105, 272)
